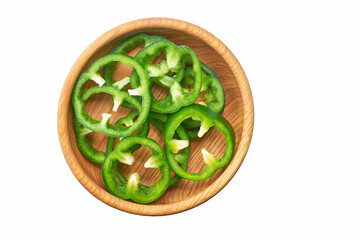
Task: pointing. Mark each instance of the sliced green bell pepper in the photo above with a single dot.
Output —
(214, 96)
(125, 47)
(127, 121)
(88, 150)
(85, 146)
(208, 119)
(118, 96)
(158, 120)
(173, 64)
(205, 68)
(132, 188)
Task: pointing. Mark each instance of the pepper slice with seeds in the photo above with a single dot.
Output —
(173, 63)
(208, 119)
(132, 188)
(118, 96)
(181, 135)
(126, 46)
(88, 150)
(213, 92)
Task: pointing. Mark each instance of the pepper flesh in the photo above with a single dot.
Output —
(174, 54)
(143, 131)
(119, 96)
(88, 150)
(214, 96)
(159, 120)
(125, 47)
(185, 77)
(85, 145)
(208, 119)
(132, 188)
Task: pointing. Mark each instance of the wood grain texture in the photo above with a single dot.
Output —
(239, 112)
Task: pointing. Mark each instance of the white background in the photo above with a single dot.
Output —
(300, 179)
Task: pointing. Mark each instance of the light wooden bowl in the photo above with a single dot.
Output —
(238, 111)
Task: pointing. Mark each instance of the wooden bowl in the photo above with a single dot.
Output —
(238, 111)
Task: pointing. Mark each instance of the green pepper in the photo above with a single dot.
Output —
(126, 46)
(205, 68)
(88, 150)
(159, 120)
(192, 132)
(128, 120)
(214, 96)
(118, 96)
(173, 64)
(132, 188)
(160, 73)
(84, 144)
(208, 119)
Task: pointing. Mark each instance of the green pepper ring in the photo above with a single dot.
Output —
(158, 73)
(174, 55)
(126, 46)
(206, 69)
(88, 150)
(212, 88)
(208, 119)
(103, 126)
(143, 131)
(191, 132)
(132, 188)
(158, 120)
(84, 144)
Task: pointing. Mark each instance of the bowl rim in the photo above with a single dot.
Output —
(218, 184)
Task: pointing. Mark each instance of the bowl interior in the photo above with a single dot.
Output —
(213, 141)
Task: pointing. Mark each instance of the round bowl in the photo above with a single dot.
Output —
(239, 112)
